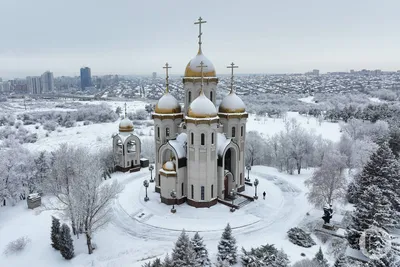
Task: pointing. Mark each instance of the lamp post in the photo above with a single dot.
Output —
(146, 184)
(248, 168)
(255, 184)
(232, 194)
(173, 195)
(151, 168)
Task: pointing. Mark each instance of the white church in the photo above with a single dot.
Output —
(199, 149)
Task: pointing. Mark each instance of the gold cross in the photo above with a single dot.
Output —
(125, 109)
(202, 66)
(232, 66)
(167, 77)
(199, 22)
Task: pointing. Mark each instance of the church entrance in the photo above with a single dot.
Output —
(228, 184)
(230, 171)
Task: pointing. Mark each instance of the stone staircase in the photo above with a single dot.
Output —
(242, 201)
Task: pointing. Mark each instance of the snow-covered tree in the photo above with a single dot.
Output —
(55, 233)
(41, 172)
(298, 237)
(254, 148)
(66, 244)
(341, 261)
(320, 259)
(266, 255)
(168, 261)
(372, 208)
(306, 263)
(183, 254)
(200, 250)
(328, 183)
(388, 260)
(227, 249)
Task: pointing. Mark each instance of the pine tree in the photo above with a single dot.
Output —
(55, 233)
(66, 244)
(200, 250)
(183, 254)
(341, 261)
(227, 249)
(373, 208)
(320, 259)
(388, 260)
(168, 261)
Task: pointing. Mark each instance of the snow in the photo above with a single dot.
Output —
(126, 123)
(222, 143)
(179, 145)
(232, 102)
(195, 63)
(308, 99)
(202, 106)
(375, 100)
(169, 165)
(168, 102)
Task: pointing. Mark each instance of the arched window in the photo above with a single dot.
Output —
(211, 96)
(192, 138)
(212, 191)
(233, 131)
(159, 180)
(241, 178)
(203, 139)
(202, 193)
(167, 132)
(158, 132)
(182, 190)
(212, 138)
(189, 96)
(192, 192)
(241, 131)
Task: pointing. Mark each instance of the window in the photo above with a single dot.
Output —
(167, 132)
(182, 190)
(241, 178)
(203, 137)
(159, 180)
(202, 193)
(211, 96)
(192, 138)
(190, 96)
(212, 191)
(192, 192)
(212, 138)
(241, 131)
(158, 132)
(233, 131)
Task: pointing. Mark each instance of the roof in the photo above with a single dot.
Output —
(232, 104)
(193, 70)
(202, 107)
(126, 125)
(179, 144)
(167, 104)
(222, 143)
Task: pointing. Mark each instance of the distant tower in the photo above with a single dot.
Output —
(126, 147)
(154, 75)
(47, 82)
(86, 78)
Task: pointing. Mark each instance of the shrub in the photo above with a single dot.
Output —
(86, 122)
(298, 237)
(50, 126)
(16, 246)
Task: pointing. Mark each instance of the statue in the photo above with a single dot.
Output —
(328, 212)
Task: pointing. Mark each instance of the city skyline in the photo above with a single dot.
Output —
(264, 37)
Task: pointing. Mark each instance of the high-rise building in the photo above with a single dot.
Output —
(86, 78)
(34, 84)
(47, 82)
(315, 72)
(154, 75)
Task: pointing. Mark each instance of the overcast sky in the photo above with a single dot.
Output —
(138, 37)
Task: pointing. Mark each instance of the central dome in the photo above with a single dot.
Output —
(202, 107)
(167, 104)
(192, 69)
(232, 104)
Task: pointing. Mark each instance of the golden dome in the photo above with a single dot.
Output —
(202, 107)
(167, 104)
(232, 103)
(126, 125)
(192, 69)
(169, 166)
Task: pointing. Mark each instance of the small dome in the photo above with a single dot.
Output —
(232, 103)
(202, 107)
(192, 69)
(167, 104)
(169, 166)
(126, 125)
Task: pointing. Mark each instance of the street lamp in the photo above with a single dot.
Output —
(151, 168)
(146, 184)
(232, 194)
(173, 195)
(255, 184)
(248, 168)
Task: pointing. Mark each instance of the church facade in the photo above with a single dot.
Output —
(199, 148)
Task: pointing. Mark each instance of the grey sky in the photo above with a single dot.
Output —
(138, 37)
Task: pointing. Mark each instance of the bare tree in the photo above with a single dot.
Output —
(328, 183)
(254, 147)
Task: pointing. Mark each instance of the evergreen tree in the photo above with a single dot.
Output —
(183, 254)
(227, 249)
(266, 255)
(168, 261)
(155, 263)
(200, 250)
(55, 233)
(320, 259)
(373, 208)
(66, 245)
(341, 261)
(389, 260)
